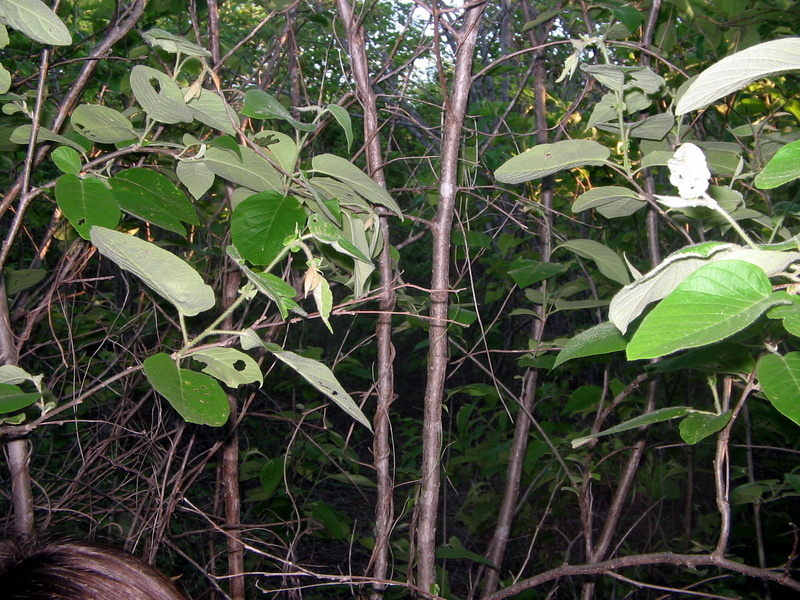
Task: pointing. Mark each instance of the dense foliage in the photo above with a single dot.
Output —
(489, 300)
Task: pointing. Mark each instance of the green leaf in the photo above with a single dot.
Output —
(608, 261)
(260, 105)
(711, 304)
(631, 300)
(790, 316)
(211, 109)
(779, 377)
(526, 272)
(13, 399)
(324, 301)
(611, 201)
(273, 287)
(195, 175)
(600, 339)
(343, 118)
(655, 127)
(345, 171)
(629, 16)
(252, 171)
(547, 159)
(328, 233)
(14, 375)
(261, 224)
(174, 44)
(198, 398)
(36, 20)
(343, 193)
(279, 147)
(86, 202)
(102, 124)
(22, 135)
(165, 104)
(782, 168)
(657, 416)
(740, 69)
(67, 160)
(22, 279)
(698, 426)
(323, 379)
(230, 366)
(173, 278)
(610, 76)
(152, 197)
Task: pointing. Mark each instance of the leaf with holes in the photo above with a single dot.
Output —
(230, 366)
(197, 397)
(164, 104)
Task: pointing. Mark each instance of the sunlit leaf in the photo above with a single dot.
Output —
(252, 171)
(779, 377)
(173, 44)
(711, 304)
(212, 110)
(738, 70)
(782, 168)
(13, 398)
(261, 224)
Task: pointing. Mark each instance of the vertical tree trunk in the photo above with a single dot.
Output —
(454, 106)
(16, 450)
(384, 508)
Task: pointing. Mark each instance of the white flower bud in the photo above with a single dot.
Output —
(688, 171)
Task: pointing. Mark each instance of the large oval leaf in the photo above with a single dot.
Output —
(547, 159)
(779, 377)
(86, 202)
(36, 20)
(740, 69)
(198, 398)
(782, 168)
(173, 278)
(261, 224)
(711, 304)
(611, 201)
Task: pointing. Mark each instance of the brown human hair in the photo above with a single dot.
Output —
(77, 570)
